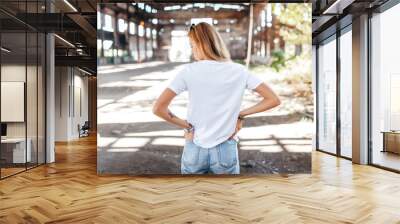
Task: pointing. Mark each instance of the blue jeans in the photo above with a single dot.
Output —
(221, 159)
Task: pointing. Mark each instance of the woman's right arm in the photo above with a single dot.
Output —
(270, 100)
(160, 108)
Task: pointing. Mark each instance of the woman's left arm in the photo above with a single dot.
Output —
(160, 109)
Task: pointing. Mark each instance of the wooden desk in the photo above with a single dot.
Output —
(391, 141)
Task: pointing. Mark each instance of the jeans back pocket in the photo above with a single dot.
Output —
(227, 153)
(190, 154)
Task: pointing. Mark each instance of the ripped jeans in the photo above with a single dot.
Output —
(221, 159)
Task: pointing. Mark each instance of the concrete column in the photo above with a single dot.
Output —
(137, 41)
(92, 100)
(115, 58)
(145, 41)
(360, 90)
(50, 98)
(102, 32)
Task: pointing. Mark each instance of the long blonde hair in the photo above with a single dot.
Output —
(209, 42)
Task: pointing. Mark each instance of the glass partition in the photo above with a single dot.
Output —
(346, 93)
(14, 153)
(22, 89)
(385, 89)
(327, 96)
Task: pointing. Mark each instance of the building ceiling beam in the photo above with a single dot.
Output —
(187, 15)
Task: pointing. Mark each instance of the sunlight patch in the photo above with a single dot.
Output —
(271, 149)
(169, 141)
(123, 150)
(130, 142)
(170, 133)
(105, 141)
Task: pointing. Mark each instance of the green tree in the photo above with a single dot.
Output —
(295, 22)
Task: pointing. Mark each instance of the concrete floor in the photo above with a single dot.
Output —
(133, 141)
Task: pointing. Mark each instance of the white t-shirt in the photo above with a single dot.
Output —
(215, 95)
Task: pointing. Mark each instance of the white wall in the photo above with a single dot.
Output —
(70, 83)
(79, 117)
(62, 81)
(12, 73)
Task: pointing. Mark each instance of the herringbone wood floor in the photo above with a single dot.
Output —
(69, 191)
